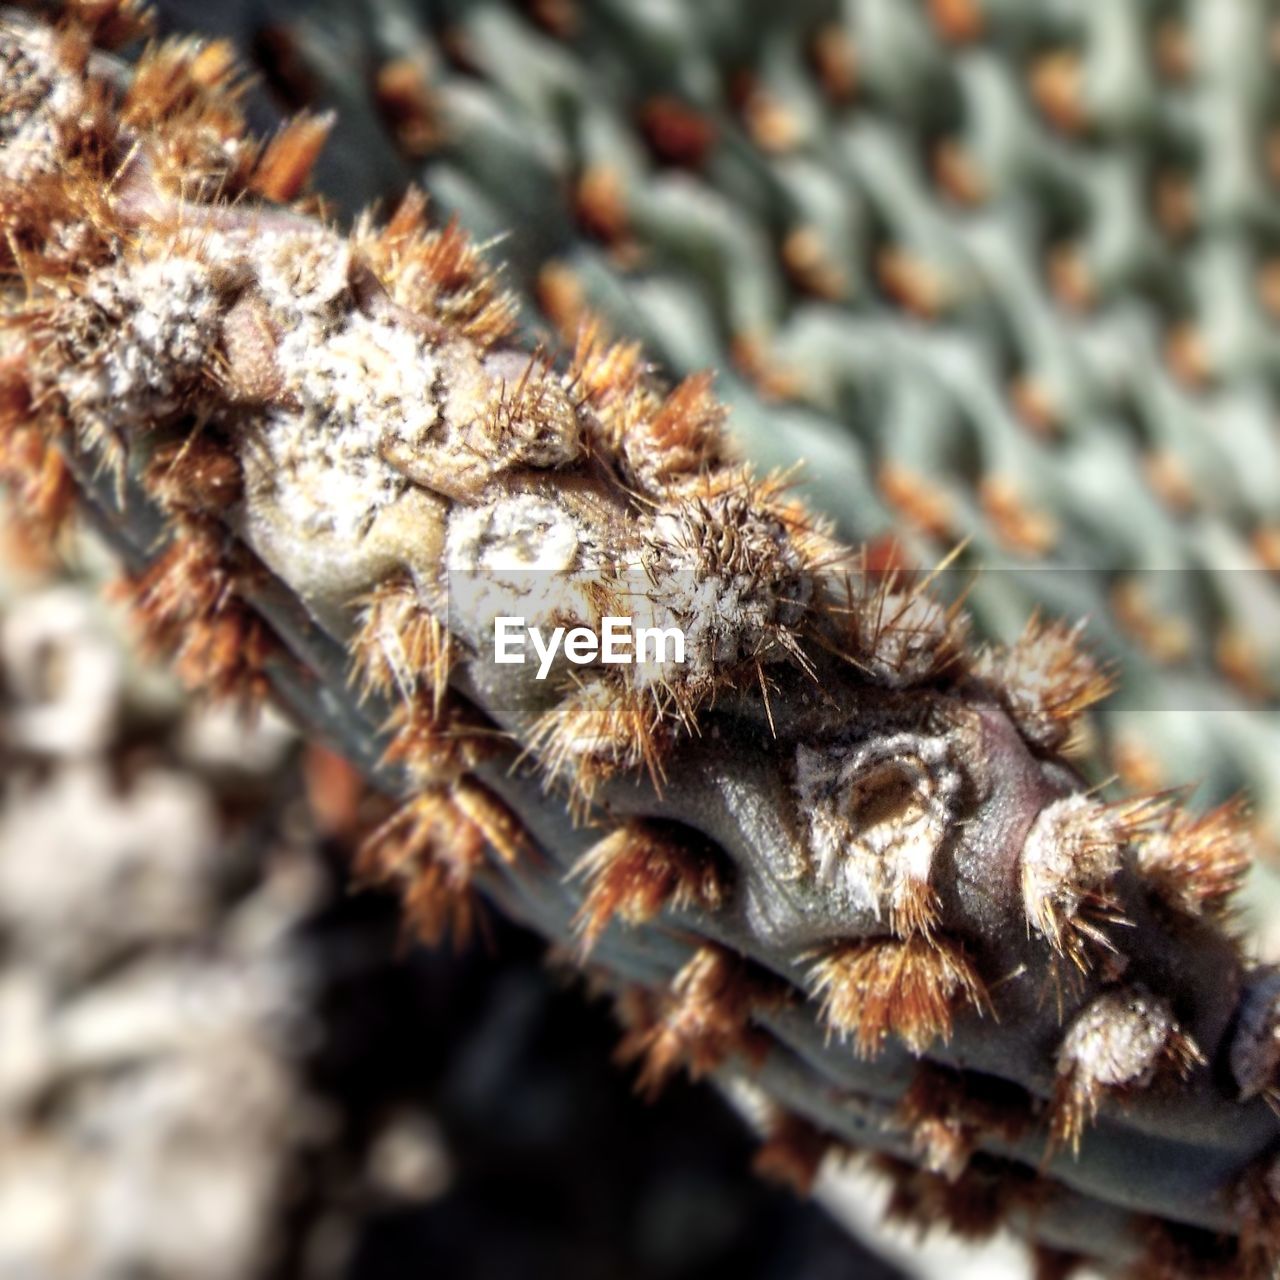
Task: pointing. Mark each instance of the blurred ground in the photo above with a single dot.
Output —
(217, 1062)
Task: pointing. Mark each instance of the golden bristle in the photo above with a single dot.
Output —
(227, 657)
(1196, 863)
(792, 1152)
(439, 746)
(425, 742)
(639, 869)
(1046, 680)
(1189, 355)
(611, 378)
(948, 1114)
(286, 162)
(602, 369)
(909, 988)
(439, 275)
(596, 731)
(185, 96)
(1240, 656)
(34, 471)
(770, 123)
(111, 23)
(182, 76)
(923, 504)
(562, 299)
(810, 265)
(914, 284)
(1017, 524)
(188, 581)
(404, 98)
(196, 476)
(682, 436)
(702, 1020)
(491, 817)
(1057, 87)
(1071, 278)
(600, 204)
(1175, 49)
(835, 60)
(891, 627)
(407, 222)
(754, 356)
(959, 21)
(1162, 636)
(1176, 203)
(958, 174)
(401, 646)
(186, 605)
(432, 846)
(1171, 481)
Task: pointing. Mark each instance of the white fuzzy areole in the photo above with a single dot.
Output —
(1036, 678)
(323, 506)
(139, 335)
(48, 98)
(516, 556)
(901, 636)
(512, 536)
(868, 861)
(1118, 1040)
(730, 608)
(1074, 846)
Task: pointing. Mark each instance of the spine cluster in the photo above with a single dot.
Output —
(839, 850)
